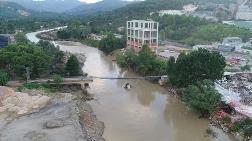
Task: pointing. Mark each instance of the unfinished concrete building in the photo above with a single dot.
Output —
(140, 32)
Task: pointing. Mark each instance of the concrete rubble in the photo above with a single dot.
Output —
(236, 90)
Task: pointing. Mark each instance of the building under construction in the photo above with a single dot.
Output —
(140, 32)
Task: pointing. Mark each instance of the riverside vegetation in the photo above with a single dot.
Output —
(42, 60)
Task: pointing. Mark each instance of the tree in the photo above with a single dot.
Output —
(72, 66)
(171, 70)
(56, 54)
(202, 97)
(15, 58)
(21, 38)
(196, 66)
(111, 43)
(145, 61)
(4, 78)
(245, 67)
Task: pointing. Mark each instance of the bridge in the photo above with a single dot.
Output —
(84, 81)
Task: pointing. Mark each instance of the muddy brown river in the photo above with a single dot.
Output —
(145, 113)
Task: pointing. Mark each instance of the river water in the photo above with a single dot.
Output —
(145, 113)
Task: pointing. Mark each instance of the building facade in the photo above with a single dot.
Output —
(140, 32)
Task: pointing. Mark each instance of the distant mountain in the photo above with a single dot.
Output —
(12, 10)
(49, 5)
(105, 5)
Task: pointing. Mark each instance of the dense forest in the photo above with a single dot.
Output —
(15, 17)
(192, 30)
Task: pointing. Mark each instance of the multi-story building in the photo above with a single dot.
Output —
(140, 32)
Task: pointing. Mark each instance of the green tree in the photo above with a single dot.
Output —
(56, 54)
(245, 68)
(111, 43)
(196, 66)
(202, 97)
(4, 78)
(15, 58)
(171, 69)
(145, 61)
(21, 38)
(72, 66)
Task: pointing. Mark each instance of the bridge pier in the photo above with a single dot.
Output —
(84, 86)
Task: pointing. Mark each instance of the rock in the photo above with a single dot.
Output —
(54, 124)
(36, 136)
(43, 101)
(5, 92)
(14, 109)
(22, 112)
(19, 103)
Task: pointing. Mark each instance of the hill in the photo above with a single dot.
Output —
(105, 5)
(140, 10)
(49, 5)
(11, 10)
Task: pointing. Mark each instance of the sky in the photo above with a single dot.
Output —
(94, 1)
(90, 1)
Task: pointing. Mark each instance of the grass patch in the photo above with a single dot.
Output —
(49, 89)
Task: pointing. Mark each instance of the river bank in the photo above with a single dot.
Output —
(146, 112)
(66, 117)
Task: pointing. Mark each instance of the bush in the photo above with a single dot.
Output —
(202, 97)
(227, 120)
(237, 126)
(243, 125)
(57, 78)
(4, 78)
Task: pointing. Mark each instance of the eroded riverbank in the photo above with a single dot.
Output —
(66, 118)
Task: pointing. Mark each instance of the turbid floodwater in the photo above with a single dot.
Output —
(147, 112)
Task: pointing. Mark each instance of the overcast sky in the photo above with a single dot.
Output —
(94, 1)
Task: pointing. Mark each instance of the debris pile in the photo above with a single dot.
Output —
(241, 84)
(18, 104)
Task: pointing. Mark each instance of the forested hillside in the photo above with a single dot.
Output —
(49, 5)
(11, 10)
(15, 17)
(89, 9)
(140, 10)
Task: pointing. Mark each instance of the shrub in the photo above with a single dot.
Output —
(227, 120)
(57, 78)
(202, 97)
(4, 78)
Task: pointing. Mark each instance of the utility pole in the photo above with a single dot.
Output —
(27, 74)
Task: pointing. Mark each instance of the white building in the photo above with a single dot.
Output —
(140, 32)
(171, 12)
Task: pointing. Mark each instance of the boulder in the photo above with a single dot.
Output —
(21, 103)
(54, 124)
